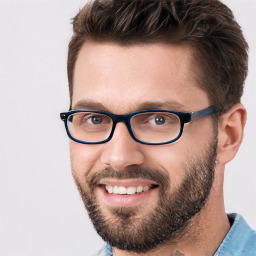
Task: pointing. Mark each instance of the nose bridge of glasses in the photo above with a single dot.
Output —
(121, 118)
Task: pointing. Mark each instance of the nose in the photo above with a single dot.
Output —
(122, 150)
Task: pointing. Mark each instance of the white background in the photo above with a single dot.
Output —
(40, 209)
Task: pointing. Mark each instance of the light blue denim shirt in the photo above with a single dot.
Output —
(239, 241)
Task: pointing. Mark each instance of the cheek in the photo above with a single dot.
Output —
(175, 159)
(169, 159)
(83, 157)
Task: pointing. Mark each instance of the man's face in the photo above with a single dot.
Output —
(173, 181)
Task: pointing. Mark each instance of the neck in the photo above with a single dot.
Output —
(204, 233)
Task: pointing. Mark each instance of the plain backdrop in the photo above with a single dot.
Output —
(41, 212)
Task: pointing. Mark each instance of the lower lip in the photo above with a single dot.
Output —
(125, 200)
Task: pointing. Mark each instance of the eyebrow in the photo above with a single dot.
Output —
(89, 105)
(167, 105)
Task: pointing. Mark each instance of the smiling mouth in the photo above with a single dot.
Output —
(121, 190)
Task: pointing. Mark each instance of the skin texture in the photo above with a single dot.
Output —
(121, 79)
(178, 253)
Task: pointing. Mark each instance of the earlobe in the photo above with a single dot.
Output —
(231, 131)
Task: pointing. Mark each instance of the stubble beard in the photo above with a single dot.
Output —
(167, 221)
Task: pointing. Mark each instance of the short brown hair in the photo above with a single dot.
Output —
(208, 26)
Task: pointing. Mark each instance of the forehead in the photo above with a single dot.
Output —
(123, 77)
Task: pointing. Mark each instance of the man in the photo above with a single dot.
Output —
(155, 90)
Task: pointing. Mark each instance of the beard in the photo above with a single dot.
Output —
(168, 220)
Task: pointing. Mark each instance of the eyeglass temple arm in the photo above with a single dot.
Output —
(202, 113)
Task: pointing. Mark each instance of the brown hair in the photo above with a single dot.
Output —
(208, 26)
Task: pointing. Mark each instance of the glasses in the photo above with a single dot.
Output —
(151, 127)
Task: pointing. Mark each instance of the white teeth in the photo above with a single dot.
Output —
(139, 189)
(146, 188)
(109, 189)
(131, 190)
(121, 190)
(115, 190)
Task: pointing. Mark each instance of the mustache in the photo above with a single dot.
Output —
(161, 178)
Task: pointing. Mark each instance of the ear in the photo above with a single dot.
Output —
(231, 131)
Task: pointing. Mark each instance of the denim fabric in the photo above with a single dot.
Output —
(104, 251)
(240, 240)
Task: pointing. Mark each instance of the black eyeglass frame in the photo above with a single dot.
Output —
(183, 116)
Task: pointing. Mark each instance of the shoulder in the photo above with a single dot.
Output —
(240, 240)
(104, 251)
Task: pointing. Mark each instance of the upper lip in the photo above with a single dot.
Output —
(128, 182)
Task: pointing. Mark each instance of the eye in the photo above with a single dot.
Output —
(96, 119)
(159, 120)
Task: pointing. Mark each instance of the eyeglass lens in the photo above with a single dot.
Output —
(155, 127)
